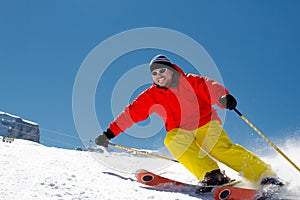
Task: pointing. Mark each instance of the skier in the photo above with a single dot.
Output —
(194, 131)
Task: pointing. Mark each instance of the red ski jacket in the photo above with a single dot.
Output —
(188, 105)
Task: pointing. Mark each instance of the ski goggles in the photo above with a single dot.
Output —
(160, 71)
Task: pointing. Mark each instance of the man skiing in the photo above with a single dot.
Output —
(195, 135)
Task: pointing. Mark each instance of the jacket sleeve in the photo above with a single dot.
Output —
(213, 91)
(135, 112)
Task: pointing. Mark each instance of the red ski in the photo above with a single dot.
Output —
(220, 192)
(234, 193)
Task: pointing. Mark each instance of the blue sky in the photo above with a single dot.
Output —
(254, 44)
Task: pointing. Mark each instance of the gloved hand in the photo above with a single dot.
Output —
(228, 101)
(103, 140)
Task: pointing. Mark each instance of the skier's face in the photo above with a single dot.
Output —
(162, 76)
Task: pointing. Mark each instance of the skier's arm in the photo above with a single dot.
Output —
(135, 112)
(217, 93)
(220, 95)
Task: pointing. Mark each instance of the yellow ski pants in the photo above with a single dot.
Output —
(198, 149)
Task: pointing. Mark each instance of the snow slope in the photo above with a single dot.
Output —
(33, 171)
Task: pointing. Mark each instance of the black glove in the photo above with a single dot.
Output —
(228, 101)
(103, 140)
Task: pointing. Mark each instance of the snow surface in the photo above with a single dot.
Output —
(33, 171)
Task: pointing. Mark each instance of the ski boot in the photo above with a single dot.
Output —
(271, 186)
(271, 181)
(211, 179)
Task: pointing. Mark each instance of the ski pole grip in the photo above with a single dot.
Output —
(238, 112)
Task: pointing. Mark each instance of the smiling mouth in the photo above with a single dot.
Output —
(161, 79)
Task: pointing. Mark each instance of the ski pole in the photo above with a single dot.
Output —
(266, 139)
(141, 152)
